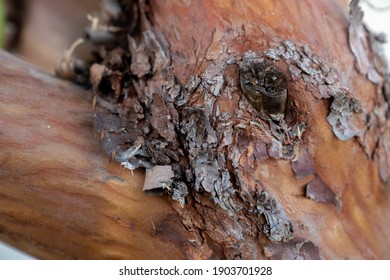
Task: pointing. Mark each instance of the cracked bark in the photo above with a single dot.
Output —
(313, 184)
(214, 108)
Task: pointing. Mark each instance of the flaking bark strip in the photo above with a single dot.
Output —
(277, 227)
(366, 46)
(370, 61)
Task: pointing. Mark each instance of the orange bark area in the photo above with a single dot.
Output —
(252, 25)
(238, 26)
(360, 229)
(59, 195)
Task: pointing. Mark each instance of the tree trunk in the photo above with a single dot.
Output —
(198, 98)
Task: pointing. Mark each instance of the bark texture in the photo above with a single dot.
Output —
(311, 182)
(301, 183)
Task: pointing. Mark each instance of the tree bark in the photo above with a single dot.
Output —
(60, 197)
(311, 185)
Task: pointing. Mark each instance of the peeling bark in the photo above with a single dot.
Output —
(371, 62)
(322, 82)
(243, 183)
(220, 133)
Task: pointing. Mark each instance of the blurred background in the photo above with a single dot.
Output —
(40, 31)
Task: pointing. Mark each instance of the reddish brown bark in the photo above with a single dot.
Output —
(333, 193)
(350, 170)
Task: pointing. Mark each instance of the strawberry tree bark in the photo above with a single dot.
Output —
(181, 90)
(188, 99)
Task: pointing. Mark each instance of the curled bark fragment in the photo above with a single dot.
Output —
(342, 110)
(366, 46)
(303, 164)
(179, 192)
(320, 192)
(357, 38)
(277, 227)
(158, 179)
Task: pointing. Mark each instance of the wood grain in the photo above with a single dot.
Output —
(60, 196)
